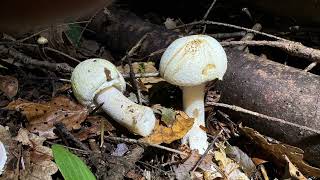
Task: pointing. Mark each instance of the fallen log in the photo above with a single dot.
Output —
(254, 83)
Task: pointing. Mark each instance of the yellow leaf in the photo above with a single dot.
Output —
(179, 128)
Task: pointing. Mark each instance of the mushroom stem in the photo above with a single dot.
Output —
(137, 118)
(193, 103)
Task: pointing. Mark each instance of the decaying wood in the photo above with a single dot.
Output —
(251, 82)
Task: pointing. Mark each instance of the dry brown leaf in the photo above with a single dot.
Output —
(292, 172)
(138, 67)
(277, 151)
(38, 158)
(43, 116)
(245, 162)
(9, 85)
(145, 83)
(182, 171)
(258, 161)
(228, 166)
(163, 134)
(94, 127)
(134, 176)
(148, 82)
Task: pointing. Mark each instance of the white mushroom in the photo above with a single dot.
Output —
(3, 157)
(190, 62)
(97, 81)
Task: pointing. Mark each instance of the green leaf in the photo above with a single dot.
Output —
(3, 67)
(74, 34)
(70, 165)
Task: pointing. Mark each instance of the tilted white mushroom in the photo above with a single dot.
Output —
(97, 81)
(190, 62)
(3, 157)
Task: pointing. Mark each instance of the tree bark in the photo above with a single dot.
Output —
(254, 83)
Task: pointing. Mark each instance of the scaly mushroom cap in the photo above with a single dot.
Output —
(193, 60)
(93, 75)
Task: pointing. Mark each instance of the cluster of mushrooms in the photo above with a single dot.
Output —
(189, 62)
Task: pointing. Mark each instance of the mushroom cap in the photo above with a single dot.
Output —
(193, 60)
(92, 76)
(3, 157)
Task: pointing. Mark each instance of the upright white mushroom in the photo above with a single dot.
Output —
(190, 62)
(97, 81)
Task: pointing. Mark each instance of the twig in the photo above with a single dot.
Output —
(206, 152)
(291, 47)
(16, 43)
(249, 36)
(134, 81)
(86, 26)
(274, 119)
(142, 75)
(72, 148)
(26, 60)
(206, 15)
(66, 135)
(228, 35)
(134, 141)
(311, 66)
(231, 26)
(61, 53)
(132, 74)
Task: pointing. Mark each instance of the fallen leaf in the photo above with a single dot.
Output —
(3, 67)
(182, 171)
(228, 166)
(148, 82)
(163, 134)
(276, 152)
(241, 158)
(121, 149)
(258, 161)
(37, 159)
(138, 67)
(292, 172)
(9, 85)
(170, 23)
(168, 115)
(92, 127)
(42, 116)
(134, 176)
(145, 83)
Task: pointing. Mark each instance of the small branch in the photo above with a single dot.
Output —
(26, 60)
(131, 73)
(228, 35)
(249, 35)
(207, 151)
(230, 26)
(240, 109)
(206, 15)
(142, 75)
(311, 66)
(291, 47)
(66, 135)
(134, 141)
(17, 43)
